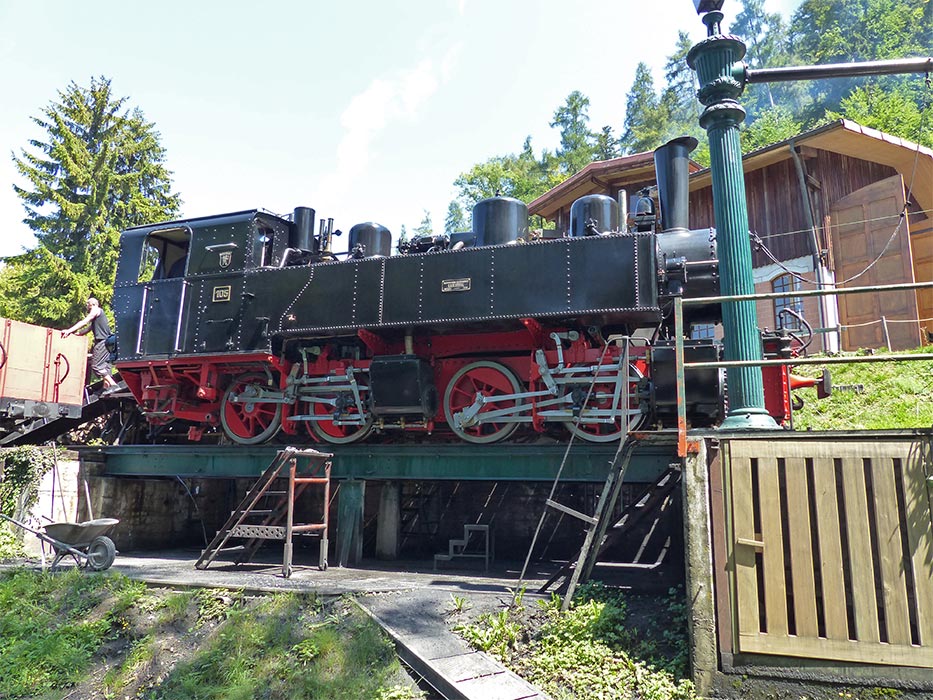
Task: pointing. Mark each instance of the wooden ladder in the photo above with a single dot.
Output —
(646, 505)
(596, 524)
(267, 513)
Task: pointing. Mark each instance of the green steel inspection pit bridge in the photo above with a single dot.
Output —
(586, 462)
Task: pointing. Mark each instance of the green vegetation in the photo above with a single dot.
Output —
(98, 169)
(103, 635)
(51, 626)
(21, 472)
(597, 649)
(870, 396)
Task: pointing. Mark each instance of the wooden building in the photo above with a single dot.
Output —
(826, 206)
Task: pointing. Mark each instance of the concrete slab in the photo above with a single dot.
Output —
(445, 660)
(415, 619)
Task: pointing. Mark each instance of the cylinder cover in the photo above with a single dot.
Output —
(594, 214)
(375, 238)
(499, 220)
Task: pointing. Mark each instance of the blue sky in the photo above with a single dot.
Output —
(365, 111)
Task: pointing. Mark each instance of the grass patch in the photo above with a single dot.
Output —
(594, 649)
(102, 635)
(51, 626)
(273, 649)
(894, 395)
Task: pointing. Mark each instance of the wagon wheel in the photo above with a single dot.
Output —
(608, 432)
(101, 553)
(249, 422)
(339, 433)
(489, 379)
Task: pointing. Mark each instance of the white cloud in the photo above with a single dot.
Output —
(417, 86)
(372, 112)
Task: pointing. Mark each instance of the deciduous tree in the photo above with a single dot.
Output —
(840, 31)
(522, 176)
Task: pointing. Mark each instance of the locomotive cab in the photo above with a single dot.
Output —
(181, 286)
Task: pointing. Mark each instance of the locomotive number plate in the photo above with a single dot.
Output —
(221, 294)
(458, 285)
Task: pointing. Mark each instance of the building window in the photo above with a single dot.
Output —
(702, 331)
(786, 284)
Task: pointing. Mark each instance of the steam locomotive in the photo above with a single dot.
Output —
(247, 324)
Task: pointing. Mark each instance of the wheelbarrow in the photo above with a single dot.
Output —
(87, 543)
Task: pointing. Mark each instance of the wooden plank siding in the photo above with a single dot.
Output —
(831, 545)
(921, 245)
(775, 211)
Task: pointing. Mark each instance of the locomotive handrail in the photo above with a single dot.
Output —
(808, 293)
(840, 360)
(5, 356)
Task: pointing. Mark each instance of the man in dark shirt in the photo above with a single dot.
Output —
(96, 320)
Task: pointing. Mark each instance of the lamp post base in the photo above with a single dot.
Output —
(749, 420)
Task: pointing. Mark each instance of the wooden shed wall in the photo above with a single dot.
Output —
(775, 211)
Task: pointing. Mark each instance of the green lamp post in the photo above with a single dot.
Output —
(716, 61)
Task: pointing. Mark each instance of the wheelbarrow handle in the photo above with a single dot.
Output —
(23, 525)
(45, 538)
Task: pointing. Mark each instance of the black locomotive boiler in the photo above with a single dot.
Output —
(247, 323)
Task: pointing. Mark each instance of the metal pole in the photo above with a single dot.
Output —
(835, 291)
(836, 360)
(714, 60)
(837, 70)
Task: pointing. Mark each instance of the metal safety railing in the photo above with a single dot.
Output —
(680, 303)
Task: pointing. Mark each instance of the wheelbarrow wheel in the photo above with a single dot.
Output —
(101, 553)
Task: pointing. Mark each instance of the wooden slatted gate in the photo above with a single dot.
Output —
(830, 550)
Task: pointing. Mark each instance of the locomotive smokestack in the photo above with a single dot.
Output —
(672, 166)
(302, 234)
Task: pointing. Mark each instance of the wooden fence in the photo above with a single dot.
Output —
(829, 549)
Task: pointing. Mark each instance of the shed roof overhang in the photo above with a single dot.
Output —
(596, 178)
(913, 162)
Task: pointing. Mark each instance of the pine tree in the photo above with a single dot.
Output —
(576, 139)
(606, 145)
(765, 36)
(645, 121)
(679, 96)
(100, 169)
(456, 220)
(425, 228)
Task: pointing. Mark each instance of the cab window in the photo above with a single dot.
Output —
(165, 255)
